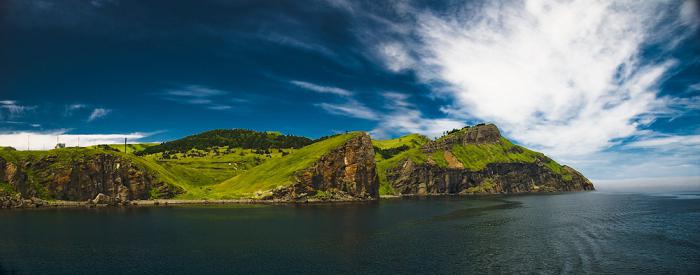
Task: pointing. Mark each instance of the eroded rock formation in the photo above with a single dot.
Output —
(83, 178)
(428, 178)
(345, 173)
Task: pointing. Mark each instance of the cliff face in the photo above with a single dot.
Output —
(480, 134)
(496, 178)
(347, 172)
(516, 170)
(83, 179)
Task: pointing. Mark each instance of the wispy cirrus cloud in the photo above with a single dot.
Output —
(98, 113)
(348, 106)
(404, 117)
(398, 115)
(209, 98)
(12, 109)
(351, 108)
(667, 142)
(321, 89)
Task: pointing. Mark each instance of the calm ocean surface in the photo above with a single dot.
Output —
(592, 232)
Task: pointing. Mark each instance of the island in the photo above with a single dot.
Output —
(242, 165)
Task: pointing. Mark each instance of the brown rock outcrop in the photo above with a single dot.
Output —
(345, 173)
(428, 178)
(83, 178)
(496, 178)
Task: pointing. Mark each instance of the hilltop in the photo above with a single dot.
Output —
(474, 159)
(234, 138)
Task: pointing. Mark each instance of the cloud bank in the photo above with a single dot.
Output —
(566, 77)
(47, 140)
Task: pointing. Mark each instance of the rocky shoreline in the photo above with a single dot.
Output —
(19, 203)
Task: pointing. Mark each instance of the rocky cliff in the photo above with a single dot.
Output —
(477, 160)
(347, 172)
(81, 177)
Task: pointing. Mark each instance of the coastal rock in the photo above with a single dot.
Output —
(482, 133)
(102, 199)
(496, 178)
(83, 178)
(8, 200)
(345, 173)
(428, 178)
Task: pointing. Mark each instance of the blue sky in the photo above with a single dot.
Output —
(609, 88)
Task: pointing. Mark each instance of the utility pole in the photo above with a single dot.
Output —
(78, 141)
(27, 142)
(124, 145)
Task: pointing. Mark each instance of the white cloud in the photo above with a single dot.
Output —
(11, 109)
(404, 118)
(666, 142)
(98, 113)
(47, 140)
(396, 57)
(690, 14)
(653, 185)
(219, 107)
(14, 108)
(195, 91)
(198, 95)
(401, 116)
(75, 106)
(351, 108)
(321, 89)
(562, 76)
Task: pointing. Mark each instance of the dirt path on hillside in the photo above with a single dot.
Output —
(452, 161)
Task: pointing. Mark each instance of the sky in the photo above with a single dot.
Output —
(611, 88)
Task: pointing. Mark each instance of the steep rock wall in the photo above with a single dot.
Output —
(496, 178)
(345, 173)
(83, 179)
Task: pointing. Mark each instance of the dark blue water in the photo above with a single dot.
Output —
(566, 233)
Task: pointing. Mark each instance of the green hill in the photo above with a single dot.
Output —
(227, 164)
(39, 164)
(132, 148)
(388, 154)
(212, 166)
(235, 138)
(279, 171)
(458, 149)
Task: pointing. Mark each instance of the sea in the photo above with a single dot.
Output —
(569, 233)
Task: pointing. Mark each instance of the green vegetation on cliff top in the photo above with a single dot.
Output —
(131, 148)
(234, 138)
(410, 145)
(66, 157)
(235, 172)
(473, 157)
(278, 171)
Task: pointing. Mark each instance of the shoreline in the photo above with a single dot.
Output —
(204, 202)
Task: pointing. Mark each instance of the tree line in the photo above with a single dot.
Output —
(235, 138)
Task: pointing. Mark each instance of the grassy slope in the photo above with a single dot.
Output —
(276, 172)
(413, 141)
(474, 157)
(131, 148)
(66, 156)
(214, 168)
